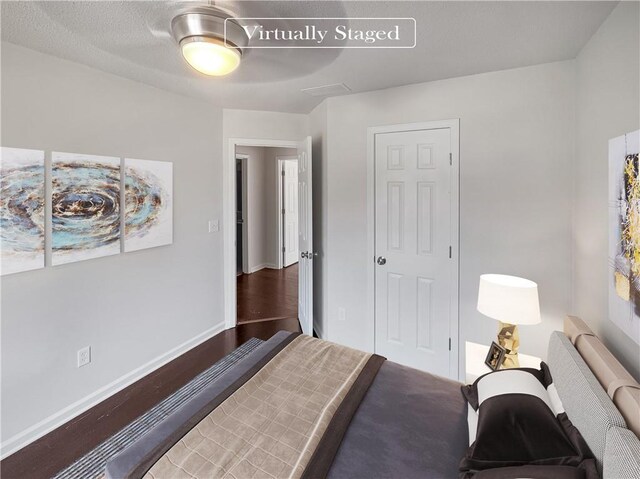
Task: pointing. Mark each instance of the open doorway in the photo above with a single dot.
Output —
(303, 268)
(266, 233)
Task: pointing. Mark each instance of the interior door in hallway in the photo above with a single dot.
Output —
(413, 239)
(290, 211)
(305, 236)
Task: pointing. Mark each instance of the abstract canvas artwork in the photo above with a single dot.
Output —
(624, 234)
(21, 210)
(85, 206)
(148, 214)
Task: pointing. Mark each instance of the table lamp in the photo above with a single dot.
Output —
(512, 301)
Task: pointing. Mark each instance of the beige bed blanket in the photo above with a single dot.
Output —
(271, 426)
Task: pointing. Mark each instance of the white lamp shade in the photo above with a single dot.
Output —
(509, 299)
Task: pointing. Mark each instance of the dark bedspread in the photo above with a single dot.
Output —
(410, 425)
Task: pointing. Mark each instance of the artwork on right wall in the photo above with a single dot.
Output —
(624, 233)
(148, 216)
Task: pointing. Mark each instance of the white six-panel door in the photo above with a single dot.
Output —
(413, 239)
(305, 237)
(290, 211)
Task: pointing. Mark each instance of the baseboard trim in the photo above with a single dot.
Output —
(263, 266)
(45, 426)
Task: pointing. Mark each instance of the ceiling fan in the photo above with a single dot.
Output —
(210, 38)
(152, 35)
(198, 27)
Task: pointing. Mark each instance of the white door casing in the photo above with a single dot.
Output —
(415, 272)
(290, 211)
(305, 237)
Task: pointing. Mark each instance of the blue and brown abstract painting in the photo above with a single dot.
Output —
(21, 210)
(85, 207)
(148, 219)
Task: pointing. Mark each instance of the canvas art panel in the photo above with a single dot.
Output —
(148, 215)
(624, 233)
(85, 207)
(21, 210)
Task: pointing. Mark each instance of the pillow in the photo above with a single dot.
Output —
(519, 421)
(543, 375)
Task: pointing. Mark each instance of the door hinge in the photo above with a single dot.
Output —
(451, 158)
(282, 172)
(449, 252)
(283, 210)
(449, 344)
(284, 249)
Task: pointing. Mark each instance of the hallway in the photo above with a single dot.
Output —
(268, 294)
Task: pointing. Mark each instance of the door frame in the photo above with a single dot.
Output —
(229, 280)
(280, 194)
(454, 320)
(245, 211)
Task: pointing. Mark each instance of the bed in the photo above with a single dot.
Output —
(302, 407)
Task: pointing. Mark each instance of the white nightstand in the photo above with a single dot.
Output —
(475, 354)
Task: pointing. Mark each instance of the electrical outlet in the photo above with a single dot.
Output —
(214, 226)
(341, 314)
(84, 356)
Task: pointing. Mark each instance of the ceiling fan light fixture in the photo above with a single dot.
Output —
(210, 56)
(207, 44)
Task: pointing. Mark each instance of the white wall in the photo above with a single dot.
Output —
(607, 106)
(131, 308)
(516, 142)
(263, 125)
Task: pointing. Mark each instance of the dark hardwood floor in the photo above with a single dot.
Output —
(53, 452)
(268, 294)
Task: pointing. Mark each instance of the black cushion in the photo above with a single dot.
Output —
(521, 424)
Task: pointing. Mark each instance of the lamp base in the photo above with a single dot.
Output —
(509, 339)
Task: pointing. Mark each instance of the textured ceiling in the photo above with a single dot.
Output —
(131, 39)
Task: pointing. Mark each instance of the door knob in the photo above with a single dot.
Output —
(303, 254)
(381, 260)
